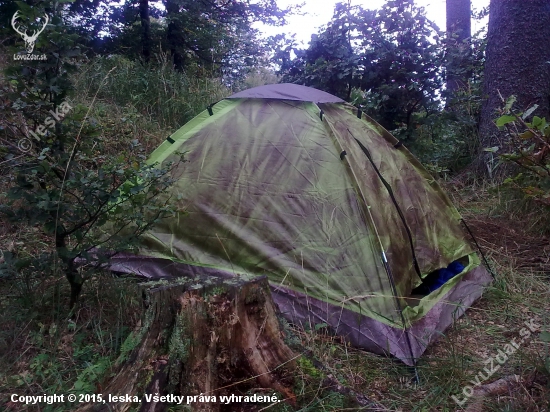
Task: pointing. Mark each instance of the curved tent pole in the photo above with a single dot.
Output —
(394, 201)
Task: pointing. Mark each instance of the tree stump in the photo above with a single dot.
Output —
(207, 337)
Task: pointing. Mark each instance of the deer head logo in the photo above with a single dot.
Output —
(29, 40)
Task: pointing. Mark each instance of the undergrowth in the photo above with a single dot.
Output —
(43, 349)
(156, 91)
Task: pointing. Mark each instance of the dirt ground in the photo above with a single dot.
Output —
(509, 241)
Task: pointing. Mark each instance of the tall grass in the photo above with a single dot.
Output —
(156, 90)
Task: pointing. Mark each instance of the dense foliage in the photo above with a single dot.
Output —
(388, 62)
(529, 149)
(61, 180)
(393, 63)
(215, 38)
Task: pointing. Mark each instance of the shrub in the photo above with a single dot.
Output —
(529, 149)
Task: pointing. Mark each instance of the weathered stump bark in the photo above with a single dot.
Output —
(212, 338)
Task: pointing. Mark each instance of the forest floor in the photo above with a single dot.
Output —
(44, 350)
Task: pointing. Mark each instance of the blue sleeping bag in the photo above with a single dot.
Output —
(438, 278)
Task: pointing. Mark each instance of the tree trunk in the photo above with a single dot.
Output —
(458, 34)
(145, 29)
(517, 59)
(71, 270)
(74, 277)
(211, 338)
(174, 33)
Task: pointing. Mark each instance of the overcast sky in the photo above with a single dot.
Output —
(319, 12)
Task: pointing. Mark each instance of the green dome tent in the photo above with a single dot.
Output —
(293, 183)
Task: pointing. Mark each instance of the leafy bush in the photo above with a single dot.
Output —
(387, 62)
(70, 194)
(61, 180)
(529, 149)
(443, 143)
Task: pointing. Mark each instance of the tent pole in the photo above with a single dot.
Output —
(396, 297)
(394, 201)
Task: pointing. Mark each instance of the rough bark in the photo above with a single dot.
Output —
(459, 32)
(145, 29)
(517, 58)
(209, 337)
(174, 33)
(71, 270)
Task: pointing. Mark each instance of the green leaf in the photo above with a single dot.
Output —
(503, 120)
(49, 227)
(493, 149)
(22, 263)
(320, 325)
(509, 103)
(526, 135)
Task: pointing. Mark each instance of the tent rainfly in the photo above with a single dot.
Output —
(294, 183)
